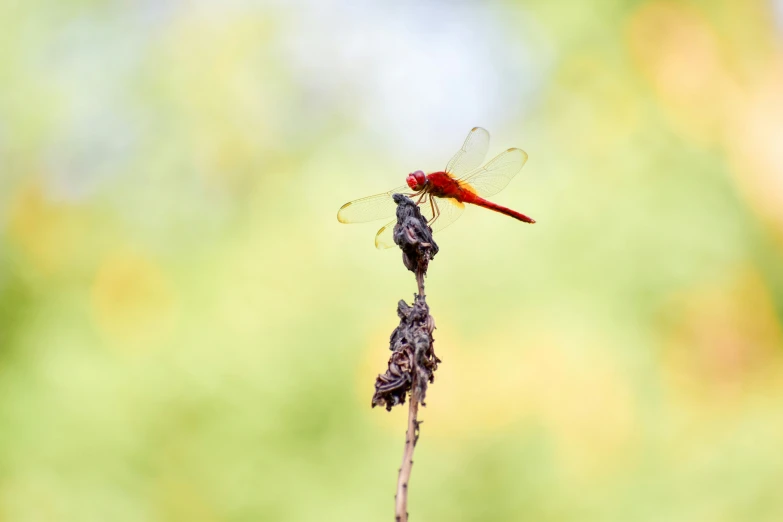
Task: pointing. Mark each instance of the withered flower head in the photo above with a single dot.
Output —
(413, 361)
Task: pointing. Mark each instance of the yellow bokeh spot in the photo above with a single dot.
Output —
(131, 299)
(46, 233)
(677, 50)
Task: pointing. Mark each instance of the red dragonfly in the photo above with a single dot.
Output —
(441, 195)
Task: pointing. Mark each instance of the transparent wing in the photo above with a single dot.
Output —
(439, 212)
(385, 236)
(495, 175)
(447, 210)
(371, 208)
(472, 153)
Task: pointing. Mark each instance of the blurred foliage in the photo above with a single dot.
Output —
(187, 332)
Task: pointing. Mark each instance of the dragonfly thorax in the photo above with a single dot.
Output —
(416, 180)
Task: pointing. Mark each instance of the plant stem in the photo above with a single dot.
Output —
(411, 436)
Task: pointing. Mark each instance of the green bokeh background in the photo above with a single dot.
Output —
(187, 333)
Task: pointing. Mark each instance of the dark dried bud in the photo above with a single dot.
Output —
(413, 361)
(413, 235)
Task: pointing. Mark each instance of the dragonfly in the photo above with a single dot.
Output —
(442, 195)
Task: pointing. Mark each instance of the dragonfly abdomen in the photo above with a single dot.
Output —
(470, 197)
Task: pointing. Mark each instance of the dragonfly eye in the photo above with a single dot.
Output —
(416, 180)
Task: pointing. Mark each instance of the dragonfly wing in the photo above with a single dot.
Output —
(472, 153)
(371, 208)
(385, 236)
(495, 175)
(446, 211)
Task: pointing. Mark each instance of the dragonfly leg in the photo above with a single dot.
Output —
(435, 209)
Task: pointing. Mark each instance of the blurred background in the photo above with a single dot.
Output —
(187, 333)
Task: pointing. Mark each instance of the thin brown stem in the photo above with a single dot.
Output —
(411, 436)
(413, 361)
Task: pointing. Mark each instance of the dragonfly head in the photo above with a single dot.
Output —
(416, 180)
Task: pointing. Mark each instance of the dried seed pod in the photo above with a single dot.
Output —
(413, 236)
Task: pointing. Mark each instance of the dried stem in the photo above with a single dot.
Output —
(403, 478)
(420, 283)
(413, 361)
